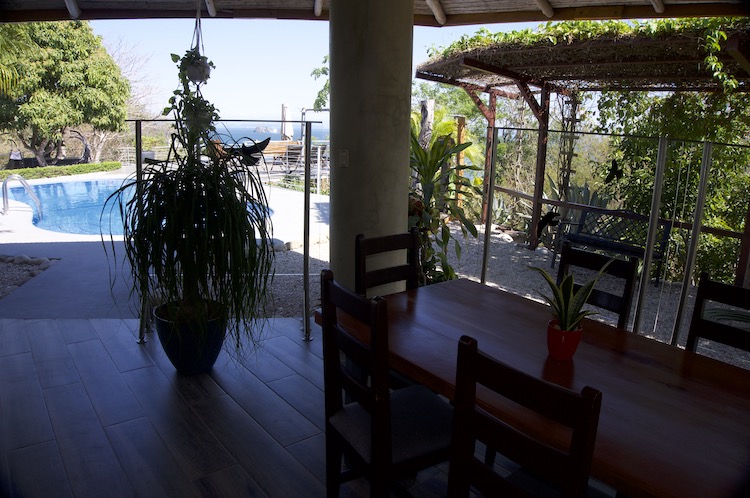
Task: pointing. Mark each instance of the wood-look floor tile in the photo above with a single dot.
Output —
(53, 362)
(109, 393)
(24, 413)
(265, 367)
(296, 355)
(92, 467)
(38, 471)
(275, 414)
(76, 330)
(311, 453)
(14, 338)
(233, 482)
(304, 396)
(151, 467)
(188, 438)
(267, 463)
(293, 331)
(120, 343)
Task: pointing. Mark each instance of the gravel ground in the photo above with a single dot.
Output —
(17, 269)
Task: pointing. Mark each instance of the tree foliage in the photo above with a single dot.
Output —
(687, 118)
(321, 100)
(710, 29)
(691, 118)
(69, 80)
(14, 44)
(439, 194)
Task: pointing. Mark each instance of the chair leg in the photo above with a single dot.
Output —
(379, 488)
(489, 456)
(333, 467)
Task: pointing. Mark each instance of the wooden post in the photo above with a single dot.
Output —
(541, 163)
(460, 131)
(489, 182)
(742, 278)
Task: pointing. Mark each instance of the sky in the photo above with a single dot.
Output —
(260, 64)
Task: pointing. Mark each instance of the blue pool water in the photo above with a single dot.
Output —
(73, 207)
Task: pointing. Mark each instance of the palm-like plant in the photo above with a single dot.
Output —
(434, 199)
(567, 302)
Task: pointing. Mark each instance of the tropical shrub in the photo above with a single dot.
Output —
(435, 198)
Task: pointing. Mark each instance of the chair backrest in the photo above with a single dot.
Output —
(355, 370)
(295, 153)
(576, 414)
(715, 322)
(364, 247)
(624, 269)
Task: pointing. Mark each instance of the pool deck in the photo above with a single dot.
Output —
(78, 285)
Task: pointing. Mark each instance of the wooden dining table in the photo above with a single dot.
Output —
(672, 423)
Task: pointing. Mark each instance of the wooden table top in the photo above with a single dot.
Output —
(672, 423)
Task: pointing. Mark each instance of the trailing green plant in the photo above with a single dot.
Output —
(196, 224)
(711, 30)
(567, 302)
(436, 197)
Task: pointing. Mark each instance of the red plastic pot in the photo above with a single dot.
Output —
(562, 344)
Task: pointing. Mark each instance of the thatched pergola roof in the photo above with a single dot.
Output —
(632, 61)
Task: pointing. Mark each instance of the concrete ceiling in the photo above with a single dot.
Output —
(426, 12)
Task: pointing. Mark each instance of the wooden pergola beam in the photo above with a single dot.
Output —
(592, 13)
(612, 63)
(645, 11)
(658, 6)
(437, 10)
(73, 9)
(545, 7)
(467, 86)
(501, 71)
(521, 82)
(737, 48)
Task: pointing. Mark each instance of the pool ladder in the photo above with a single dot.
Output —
(28, 189)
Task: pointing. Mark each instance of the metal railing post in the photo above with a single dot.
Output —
(306, 236)
(490, 201)
(695, 232)
(653, 225)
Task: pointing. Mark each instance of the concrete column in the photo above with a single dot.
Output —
(370, 77)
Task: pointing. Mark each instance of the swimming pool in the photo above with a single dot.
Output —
(73, 207)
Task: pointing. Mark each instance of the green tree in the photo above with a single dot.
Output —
(68, 81)
(691, 118)
(14, 44)
(321, 100)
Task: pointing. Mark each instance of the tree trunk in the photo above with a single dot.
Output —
(428, 116)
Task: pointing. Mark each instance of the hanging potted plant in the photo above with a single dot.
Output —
(197, 235)
(196, 67)
(565, 330)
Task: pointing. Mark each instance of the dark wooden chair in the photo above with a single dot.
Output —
(365, 247)
(626, 270)
(385, 435)
(546, 470)
(717, 323)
